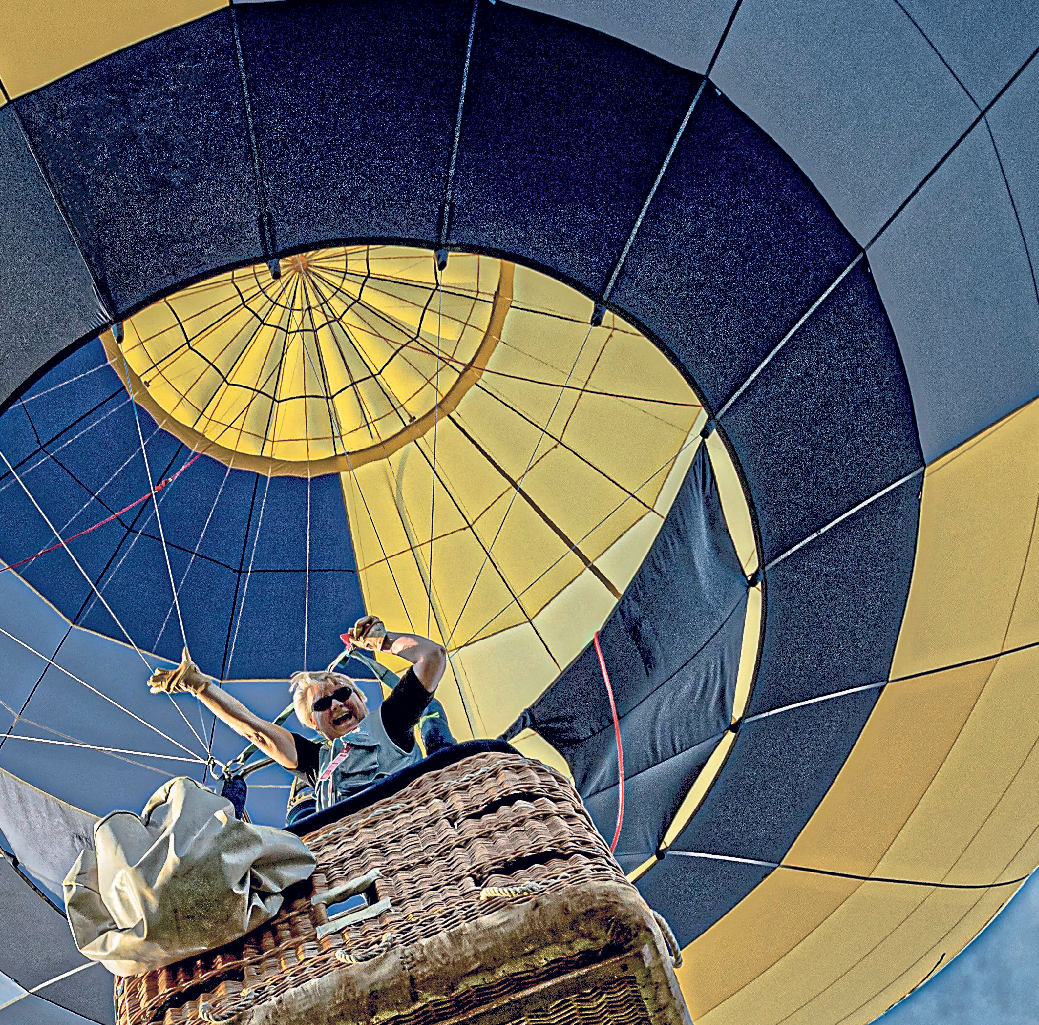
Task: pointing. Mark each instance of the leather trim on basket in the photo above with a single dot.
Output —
(391, 784)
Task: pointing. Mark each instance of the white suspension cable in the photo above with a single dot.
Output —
(48, 454)
(93, 586)
(194, 759)
(64, 384)
(94, 690)
(248, 573)
(337, 434)
(155, 504)
(83, 572)
(194, 554)
(519, 485)
(471, 713)
(97, 494)
(306, 572)
(49, 982)
(436, 416)
(184, 577)
(21, 717)
(111, 576)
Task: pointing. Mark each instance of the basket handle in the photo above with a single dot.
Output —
(672, 943)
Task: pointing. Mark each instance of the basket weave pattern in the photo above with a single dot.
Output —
(456, 844)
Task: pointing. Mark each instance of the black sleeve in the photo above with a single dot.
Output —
(306, 759)
(403, 708)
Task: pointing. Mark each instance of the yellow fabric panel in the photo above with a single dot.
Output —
(936, 958)
(734, 503)
(941, 784)
(509, 669)
(864, 944)
(753, 936)
(346, 352)
(748, 652)
(901, 748)
(43, 40)
(533, 746)
(904, 741)
(504, 672)
(976, 522)
(966, 826)
(574, 615)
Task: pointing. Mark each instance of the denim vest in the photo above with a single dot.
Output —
(348, 764)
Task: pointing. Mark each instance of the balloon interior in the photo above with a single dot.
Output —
(676, 392)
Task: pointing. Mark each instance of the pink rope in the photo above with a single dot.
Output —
(108, 519)
(620, 745)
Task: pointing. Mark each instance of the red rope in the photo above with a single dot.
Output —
(108, 519)
(620, 745)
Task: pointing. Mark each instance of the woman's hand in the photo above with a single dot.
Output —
(369, 632)
(187, 678)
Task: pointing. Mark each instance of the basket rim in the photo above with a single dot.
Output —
(384, 788)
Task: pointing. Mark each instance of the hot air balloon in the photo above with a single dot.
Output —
(703, 341)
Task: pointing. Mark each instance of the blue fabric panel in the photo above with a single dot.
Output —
(693, 893)
(266, 636)
(35, 1010)
(547, 166)
(61, 704)
(207, 492)
(688, 707)
(278, 539)
(983, 43)
(652, 794)
(828, 422)
(110, 473)
(18, 442)
(150, 154)
(138, 591)
(834, 607)
(335, 605)
(26, 533)
(65, 709)
(44, 949)
(101, 453)
(205, 510)
(957, 273)
(54, 403)
(777, 773)
(47, 300)
(735, 247)
(354, 109)
(672, 648)
(206, 594)
(42, 632)
(330, 546)
(685, 589)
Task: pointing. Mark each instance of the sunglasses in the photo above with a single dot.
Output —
(323, 704)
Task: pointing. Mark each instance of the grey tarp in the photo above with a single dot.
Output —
(184, 877)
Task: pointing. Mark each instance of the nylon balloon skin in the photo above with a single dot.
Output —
(885, 456)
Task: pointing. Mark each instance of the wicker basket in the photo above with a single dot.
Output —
(481, 892)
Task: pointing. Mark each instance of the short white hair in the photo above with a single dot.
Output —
(300, 684)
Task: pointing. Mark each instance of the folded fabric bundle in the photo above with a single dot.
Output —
(183, 877)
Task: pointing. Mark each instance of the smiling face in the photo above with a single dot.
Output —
(345, 713)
